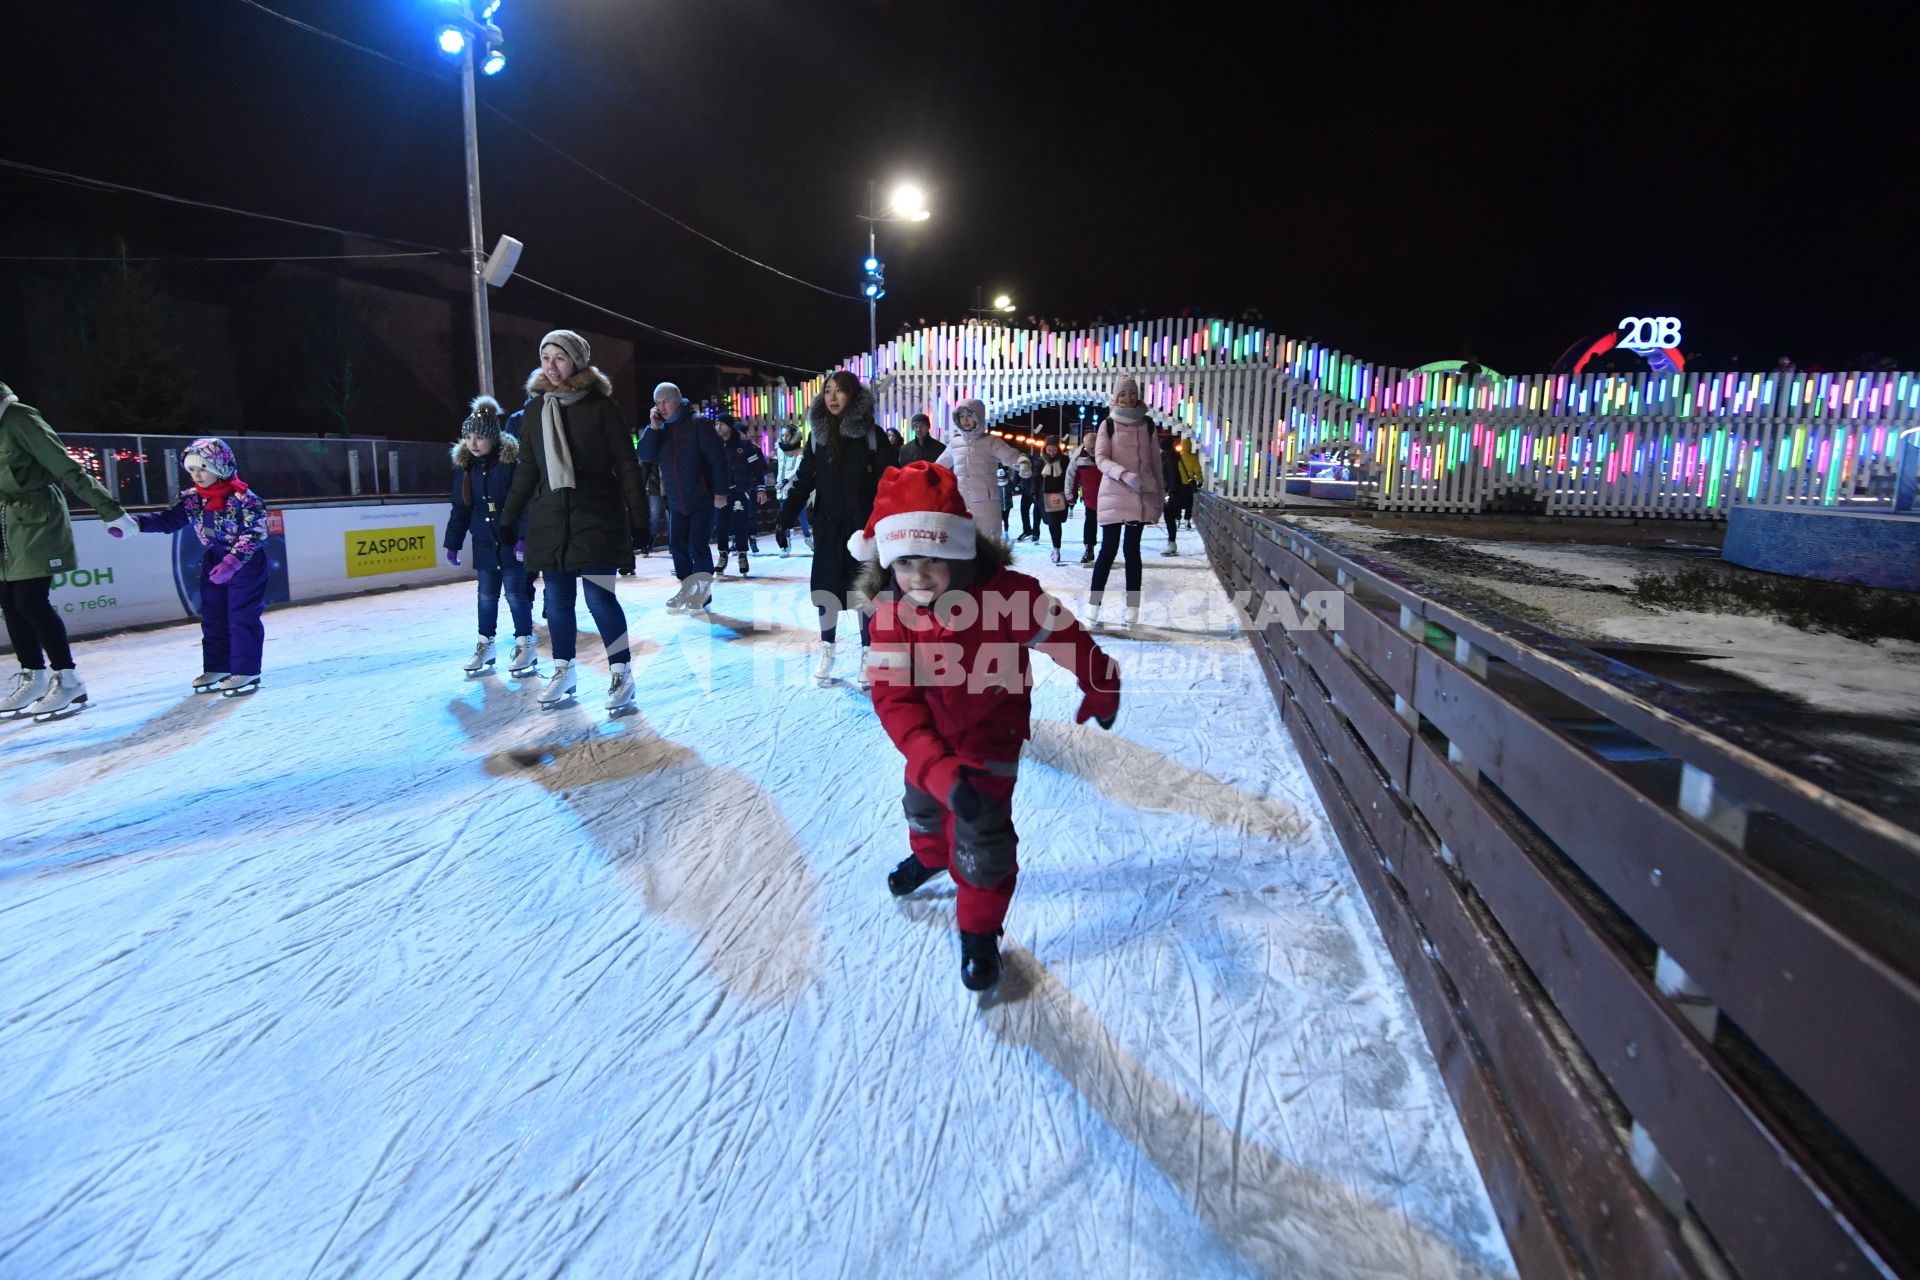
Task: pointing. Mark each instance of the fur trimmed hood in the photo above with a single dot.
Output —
(990, 556)
(587, 379)
(859, 415)
(979, 410)
(508, 450)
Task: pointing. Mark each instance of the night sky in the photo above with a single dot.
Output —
(1407, 183)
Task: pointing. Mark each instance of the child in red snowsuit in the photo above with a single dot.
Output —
(952, 630)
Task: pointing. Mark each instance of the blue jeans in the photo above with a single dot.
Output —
(511, 576)
(656, 519)
(687, 539)
(608, 616)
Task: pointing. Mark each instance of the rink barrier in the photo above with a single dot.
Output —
(1664, 954)
(141, 581)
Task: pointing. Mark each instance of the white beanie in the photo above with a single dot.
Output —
(667, 388)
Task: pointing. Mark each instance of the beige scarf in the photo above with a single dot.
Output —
(553, 434)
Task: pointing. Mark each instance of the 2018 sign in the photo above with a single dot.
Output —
(1649, 333)
(375, 551)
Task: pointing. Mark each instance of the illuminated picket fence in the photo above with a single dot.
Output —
(1257, 404)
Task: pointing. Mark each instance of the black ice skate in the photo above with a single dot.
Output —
(909, 875)
(979, 960)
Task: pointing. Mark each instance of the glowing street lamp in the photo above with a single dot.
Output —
(906, 203)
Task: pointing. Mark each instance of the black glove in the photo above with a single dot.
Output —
(966, 801)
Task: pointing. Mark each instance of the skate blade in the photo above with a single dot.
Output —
(521, 673)
(483, 671)
(616, 713)
(243, 691)
(557, 703)
(67, 712)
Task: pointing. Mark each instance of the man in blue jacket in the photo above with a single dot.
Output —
(746, 481)
(693, 473)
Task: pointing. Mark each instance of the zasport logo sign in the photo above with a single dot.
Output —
(377, 551)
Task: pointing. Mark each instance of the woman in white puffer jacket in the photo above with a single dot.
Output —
(973, 456)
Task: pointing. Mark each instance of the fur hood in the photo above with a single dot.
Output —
(990, 556)
(508, 450)
(979, 410)
(859, 413)
(589, 378)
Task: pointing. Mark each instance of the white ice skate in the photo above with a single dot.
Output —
(28, 687)
(677, 602)
(620, 692)
(208, 681)
(239, 686)
(702, 595)
(560, 685)
(823, 663)
(861, 676)
(526, 657)
(482, 658)
(65, 696)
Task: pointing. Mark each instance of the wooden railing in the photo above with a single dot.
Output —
(1668, 960)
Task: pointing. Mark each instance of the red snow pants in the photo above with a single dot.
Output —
(980, 854)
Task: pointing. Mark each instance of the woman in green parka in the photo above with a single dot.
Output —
(36, 542)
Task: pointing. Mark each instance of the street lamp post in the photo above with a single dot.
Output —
(1002, 304)
(482, 323)
(476, 42)
(906, 204)
(873, 298)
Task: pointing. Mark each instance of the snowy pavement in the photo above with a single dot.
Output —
(386, 972)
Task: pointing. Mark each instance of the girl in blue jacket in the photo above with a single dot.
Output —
(484, 462)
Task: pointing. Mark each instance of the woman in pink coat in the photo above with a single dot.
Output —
(1133, 491)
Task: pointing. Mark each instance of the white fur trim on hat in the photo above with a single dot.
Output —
(939, 534)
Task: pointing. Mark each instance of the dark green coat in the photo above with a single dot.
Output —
(593, 523)
(36, 534)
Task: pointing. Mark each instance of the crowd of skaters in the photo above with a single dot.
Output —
(908, 534)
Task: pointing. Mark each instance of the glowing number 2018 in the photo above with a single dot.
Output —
(1647, 333)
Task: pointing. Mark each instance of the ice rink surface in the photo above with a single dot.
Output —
(386, 972)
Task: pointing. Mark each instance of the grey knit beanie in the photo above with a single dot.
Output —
(1124, 385)
(483, 419)
(667, 388)
(577, 348)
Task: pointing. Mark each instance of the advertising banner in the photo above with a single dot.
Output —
(312, 552)
(118, 582)
(335, 550)
(380, 551)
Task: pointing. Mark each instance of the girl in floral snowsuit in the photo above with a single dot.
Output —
(231, 523)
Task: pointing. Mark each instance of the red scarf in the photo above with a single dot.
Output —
(214, 496)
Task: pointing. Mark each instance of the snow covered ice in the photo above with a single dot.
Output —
(386, 972)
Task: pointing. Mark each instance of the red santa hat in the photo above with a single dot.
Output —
(916, 512)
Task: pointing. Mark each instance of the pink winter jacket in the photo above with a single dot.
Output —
(1129, 458)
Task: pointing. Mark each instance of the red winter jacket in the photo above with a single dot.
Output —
(950, 697)
(1085, 479)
